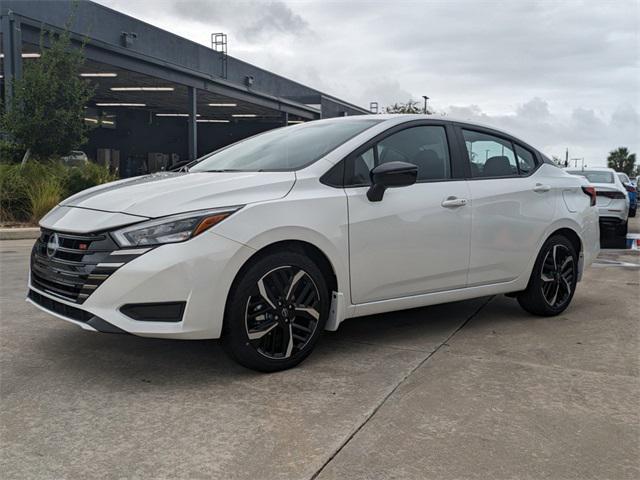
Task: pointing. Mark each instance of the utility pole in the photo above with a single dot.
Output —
(425, 104)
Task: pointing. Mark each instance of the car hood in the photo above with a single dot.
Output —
(167, 193)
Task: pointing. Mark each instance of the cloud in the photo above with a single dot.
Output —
(251, 20)
(567, 71)
(586, 133)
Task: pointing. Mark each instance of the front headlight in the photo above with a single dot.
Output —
(172, 229)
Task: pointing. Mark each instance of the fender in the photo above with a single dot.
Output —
(556, 225)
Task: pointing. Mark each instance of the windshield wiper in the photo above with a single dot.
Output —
(225, 170)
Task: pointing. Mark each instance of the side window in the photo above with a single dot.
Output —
(426, 147)
(526, 160)
(358, 168)
(489, 156)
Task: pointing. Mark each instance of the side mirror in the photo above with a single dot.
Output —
(389, 175)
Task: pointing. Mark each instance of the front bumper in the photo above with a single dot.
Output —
(198, 272)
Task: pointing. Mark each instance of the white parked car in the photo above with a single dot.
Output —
(269, 241)
(612, 199)
(75, 158)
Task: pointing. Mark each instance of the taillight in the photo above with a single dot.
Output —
(630, 188)
(592, 194)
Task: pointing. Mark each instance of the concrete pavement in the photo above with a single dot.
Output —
(474, 389)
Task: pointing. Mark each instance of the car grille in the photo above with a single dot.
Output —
(74, 266)
(59, 307)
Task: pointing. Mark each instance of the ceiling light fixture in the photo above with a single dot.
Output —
(121, 104)
(91, 120)
(212, 121)
(99, 75)
(174, 115)
(142, 89)
(295, 121)
(25, 55)
(244, 115)
(223, 104)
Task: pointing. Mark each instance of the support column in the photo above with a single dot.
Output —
(193, 126)
(285, 118)
(12, 50)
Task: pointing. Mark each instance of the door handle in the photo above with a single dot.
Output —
(453, 202)
(540, 188)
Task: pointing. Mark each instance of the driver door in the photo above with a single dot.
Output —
(416, 239)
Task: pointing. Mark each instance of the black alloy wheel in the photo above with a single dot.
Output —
(276, 311)
(557, 275)
(553, 279)
(282, 312)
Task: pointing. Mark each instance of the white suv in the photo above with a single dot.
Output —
(612, 198)
(271, 240)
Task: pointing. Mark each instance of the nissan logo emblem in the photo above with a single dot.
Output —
(52, 245)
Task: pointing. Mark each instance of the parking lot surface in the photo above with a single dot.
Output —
(475, 389)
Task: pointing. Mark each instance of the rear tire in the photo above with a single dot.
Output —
(276, 312)
(553, 279)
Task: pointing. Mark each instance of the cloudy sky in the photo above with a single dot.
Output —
(558, 73)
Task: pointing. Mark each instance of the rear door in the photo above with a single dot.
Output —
(512, 205)
(416, 240)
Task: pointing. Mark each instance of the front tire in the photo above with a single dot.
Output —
(276, 312)
(553, 279)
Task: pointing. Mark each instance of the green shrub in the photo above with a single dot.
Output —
(10, 152)
(87, 176)
(14, 204)
(27, 193)
(43, 193)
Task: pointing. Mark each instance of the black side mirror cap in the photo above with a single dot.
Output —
(390, 175)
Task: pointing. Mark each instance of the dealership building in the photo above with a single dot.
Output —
(160, 99)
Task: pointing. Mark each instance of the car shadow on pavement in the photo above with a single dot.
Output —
(184, 362)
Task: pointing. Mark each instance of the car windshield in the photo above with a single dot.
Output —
(284, 149)
(594, 176)
(623, 178)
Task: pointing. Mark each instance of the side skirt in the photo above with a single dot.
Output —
(427, 299)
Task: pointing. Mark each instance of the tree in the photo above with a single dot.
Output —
(622, 161)
(560, 162)
(46, 115)
(412, 106)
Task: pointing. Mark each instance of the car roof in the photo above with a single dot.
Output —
(591, 169)
(392, 119)
(408, 117)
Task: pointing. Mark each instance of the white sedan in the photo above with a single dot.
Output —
(612, 198)
(270, 241)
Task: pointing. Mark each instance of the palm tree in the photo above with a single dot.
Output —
(622, 161)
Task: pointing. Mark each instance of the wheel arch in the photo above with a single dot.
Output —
(318, 256)
(570, 235)
(301, 246)
(567, 228)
